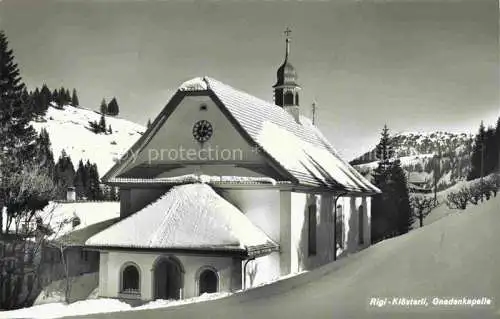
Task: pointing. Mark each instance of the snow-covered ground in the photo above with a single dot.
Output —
(455, 257)
(68, 129)
(81, 287)
(100, 305)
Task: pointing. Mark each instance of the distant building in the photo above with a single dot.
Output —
(417, 183)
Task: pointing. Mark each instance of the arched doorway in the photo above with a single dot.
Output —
(207, 282)
(168, 278)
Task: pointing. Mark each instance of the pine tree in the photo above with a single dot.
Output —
(63, 99)
(113, 108)
(94, 189)
(74, 99)
(46, 97)
(149, 123)
(102, 124)
(17, 135)
(44, 152)
(39, 107)
(104, 107)
(477, 157)
(497, 145)
(391, 213)
(400, 196)
(491, 151)
(79, 181)
(64, 174)
(55, 96)
(18, 164)
(110, 130)
(384, 150)
(67, 96)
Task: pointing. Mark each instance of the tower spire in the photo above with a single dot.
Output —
(286, 89)
(287, 40)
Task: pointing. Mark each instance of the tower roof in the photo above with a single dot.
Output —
(286, 74)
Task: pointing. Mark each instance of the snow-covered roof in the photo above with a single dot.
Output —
(59, 216)
(202, 178)
(306, 158)
(192, 217)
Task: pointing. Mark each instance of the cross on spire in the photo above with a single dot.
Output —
(287, 34)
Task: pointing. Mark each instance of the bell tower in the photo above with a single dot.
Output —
(286, 89)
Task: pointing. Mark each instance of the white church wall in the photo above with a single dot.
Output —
(301, 256)
(109, 280)
(285, 233)
(262, 270)
(350, 207)
(298, 230)
(262, 207)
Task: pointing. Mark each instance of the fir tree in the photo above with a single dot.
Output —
(399, 194)
(104, 107)
(64, 174)
(391, 212)
(17, 135)
(94, 189)
(149, 123)
(67, 96)
(19, 165)
(55, 96)
(74, 99)
(477, 157)
(44, 152)
(497, 145)
(384, 150)
(102, 124)
(110, 130)
(46, 97)
(79, 181)
(113, 108)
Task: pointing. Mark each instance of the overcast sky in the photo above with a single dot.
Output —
(415, 65)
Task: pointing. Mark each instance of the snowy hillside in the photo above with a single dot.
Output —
(422, 154)
(69, 129)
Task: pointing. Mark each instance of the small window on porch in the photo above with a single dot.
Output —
(130, 280)
(208, 281)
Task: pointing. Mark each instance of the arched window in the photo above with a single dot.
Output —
(288, 98)
(208, 281)
(339, 227)
(130, 280)
(361, 223)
